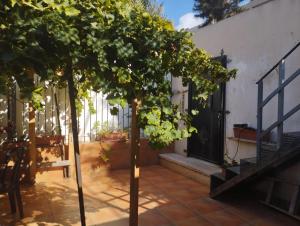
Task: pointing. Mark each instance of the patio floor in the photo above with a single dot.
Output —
(166, 199)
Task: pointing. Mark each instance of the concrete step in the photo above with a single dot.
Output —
(193, 168)
(216, 180)
(232, 172)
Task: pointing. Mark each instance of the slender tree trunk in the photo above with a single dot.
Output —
(134, 165)
(32, 141)
(57, 114)
(32, 145)
(72, 96)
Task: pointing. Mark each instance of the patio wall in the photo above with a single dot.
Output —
(47, 123)
(253, 41)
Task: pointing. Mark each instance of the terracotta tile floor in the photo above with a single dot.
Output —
(166, 199)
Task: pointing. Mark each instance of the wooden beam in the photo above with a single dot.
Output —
(72, 97)
(32, 145)
(32, 154)
(134, 165)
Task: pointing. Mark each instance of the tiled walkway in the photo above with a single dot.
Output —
(166, 199)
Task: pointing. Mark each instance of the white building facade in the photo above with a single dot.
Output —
(253, 41)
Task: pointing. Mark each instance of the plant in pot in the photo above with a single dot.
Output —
(105, 132)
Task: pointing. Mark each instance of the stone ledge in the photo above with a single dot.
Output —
(195, 169)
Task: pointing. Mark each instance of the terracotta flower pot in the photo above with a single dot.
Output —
(113, 136)
(248, 134)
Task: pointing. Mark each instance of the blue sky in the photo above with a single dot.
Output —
(174, 9)
(180, 12)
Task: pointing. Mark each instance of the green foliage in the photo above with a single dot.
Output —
(62, 6)
(216, 10)
(83, 94)
(111, 46)
(37, 98)
(162, 125)
(103, 129)
(151, 6)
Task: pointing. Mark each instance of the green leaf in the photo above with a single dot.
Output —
(114, 111)
(195, 112)
(71, 11)
(13, 2)
(117, 101)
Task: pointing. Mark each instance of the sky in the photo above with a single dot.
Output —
(180, 12)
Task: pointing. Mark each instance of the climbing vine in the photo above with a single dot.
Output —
(114, 47)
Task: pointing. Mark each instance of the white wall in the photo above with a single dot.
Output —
(253, 41)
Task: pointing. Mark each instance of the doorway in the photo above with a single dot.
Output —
(208, 143)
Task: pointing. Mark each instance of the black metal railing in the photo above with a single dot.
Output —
(261, 103)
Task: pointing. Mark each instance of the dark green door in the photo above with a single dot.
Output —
(208, 143)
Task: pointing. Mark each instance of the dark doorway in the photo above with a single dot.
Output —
(208, 143)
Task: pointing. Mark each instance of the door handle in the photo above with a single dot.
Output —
(221, 114)
(226, 112)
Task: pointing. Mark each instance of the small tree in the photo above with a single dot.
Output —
(115, 47)
(216, 10)
(138, 51)
(38, 38)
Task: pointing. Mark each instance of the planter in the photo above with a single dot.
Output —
(118, 153)
(115, 154)
(112, 136)
(248, 134)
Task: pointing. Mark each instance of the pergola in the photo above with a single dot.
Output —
(114, 47)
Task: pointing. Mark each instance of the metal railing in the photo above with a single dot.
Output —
(261, 103)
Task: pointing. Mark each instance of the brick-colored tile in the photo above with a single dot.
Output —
(165, 199)
(195, 221)
(176, 212)
(224, 218)
(152, 218)
(204, 205)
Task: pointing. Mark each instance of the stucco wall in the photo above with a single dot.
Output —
(253, 41)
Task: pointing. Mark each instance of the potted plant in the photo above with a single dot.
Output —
(243, 131)
(106, 133)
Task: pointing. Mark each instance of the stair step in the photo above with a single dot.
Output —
(251, 163)
(268, 154)
(247, 163)
(272, 147)
(216, 180)
(292, 134)
(250, 170)
(232, 172)
(290, 139)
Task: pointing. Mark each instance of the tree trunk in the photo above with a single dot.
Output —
(134, 165)
(72, 97)
(32, 137)
(32, 146)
